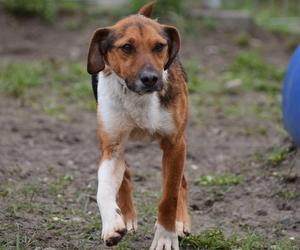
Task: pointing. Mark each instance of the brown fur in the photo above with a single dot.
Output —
(125, 198)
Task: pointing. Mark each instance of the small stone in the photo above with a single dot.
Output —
(194, 167)
(76, 219)
(195, 207)
(261, 213)
(55, 219)
(209, 203)
(235, 83)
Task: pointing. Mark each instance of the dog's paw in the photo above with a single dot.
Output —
(113, 227)
(131, 224)
(182, 229)
(164, 240)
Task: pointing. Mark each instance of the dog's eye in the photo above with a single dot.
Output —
(158, 47)
(127, 48)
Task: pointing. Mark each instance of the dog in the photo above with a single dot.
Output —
(141, 91)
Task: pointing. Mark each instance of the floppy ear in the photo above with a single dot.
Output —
(98, 48)
(173, 39)
(147, 9)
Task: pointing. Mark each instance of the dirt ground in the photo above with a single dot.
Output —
(48, 165)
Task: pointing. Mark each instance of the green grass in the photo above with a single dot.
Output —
(255, 74)
(62, 81)
(196, 83)
(45, 9)
(16, 78)
(274, 155)
(278, 155)
(211, 239)
(219, 180)
(272, 15)
(242, 39)
(248, 67)
(215, 239)
(288, 194)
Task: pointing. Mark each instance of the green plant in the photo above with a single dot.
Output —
(288, 194)
(242, 39)
(47, 9)
(211, 239)
(278, 155)
(43, 8)
(219, 180)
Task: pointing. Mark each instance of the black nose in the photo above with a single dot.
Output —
(149, 78)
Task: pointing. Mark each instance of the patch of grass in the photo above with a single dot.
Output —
(62, 81)
(123, 245)
(215, 239)
(45, 9)
(288, 194)
(242, 39)
(211, 239)
(278, 155)
(59, 185)
(219, 180)
(42, 8)
(195, 83)
(193, 71)
(23, 242)
(17, 78)
(255, 74)
(278, 16)
(54, 109)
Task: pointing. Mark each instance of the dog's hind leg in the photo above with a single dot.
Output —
(183, 223)
(126, 202)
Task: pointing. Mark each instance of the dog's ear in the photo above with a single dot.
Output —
(173, 39)
(147, 9)
(98, 48)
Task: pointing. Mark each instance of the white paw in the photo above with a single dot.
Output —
(181, 229)
(131, 225)
(164, 240)
(113, 226)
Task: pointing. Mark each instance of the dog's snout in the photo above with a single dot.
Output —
(149, 78)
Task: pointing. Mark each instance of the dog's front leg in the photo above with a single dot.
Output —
(110, 176)
(173, 165)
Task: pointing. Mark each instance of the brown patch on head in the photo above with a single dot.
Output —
(140, 42)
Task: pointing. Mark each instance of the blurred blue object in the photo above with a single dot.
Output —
(291, 98)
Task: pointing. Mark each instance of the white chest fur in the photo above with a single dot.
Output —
(123, 110)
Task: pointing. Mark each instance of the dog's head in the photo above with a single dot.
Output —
(137, 48)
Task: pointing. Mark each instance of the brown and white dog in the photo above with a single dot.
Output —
(141, 91)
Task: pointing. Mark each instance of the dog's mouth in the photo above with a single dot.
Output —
(140, 89)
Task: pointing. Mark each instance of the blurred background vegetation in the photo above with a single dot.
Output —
(280, 15)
